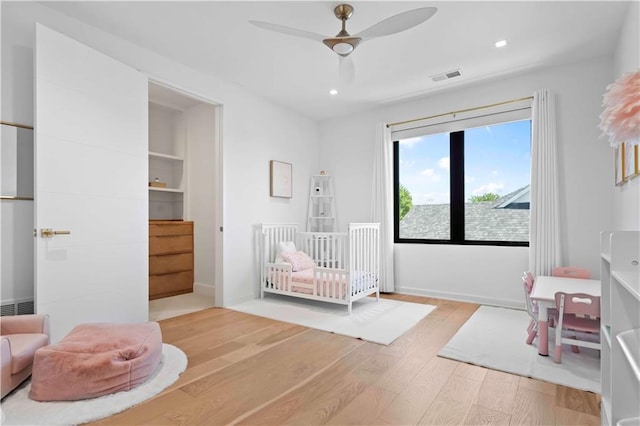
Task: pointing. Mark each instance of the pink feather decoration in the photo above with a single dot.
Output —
(620, 119)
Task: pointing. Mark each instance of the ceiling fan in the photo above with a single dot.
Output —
(344, 43)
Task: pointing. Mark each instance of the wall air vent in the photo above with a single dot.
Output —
(17, 307)
(446, 75)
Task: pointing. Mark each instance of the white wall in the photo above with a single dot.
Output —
(481, 273)
(254, 131)
(201, 128)
(626, 198)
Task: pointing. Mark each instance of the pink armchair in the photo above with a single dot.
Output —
(20, 337)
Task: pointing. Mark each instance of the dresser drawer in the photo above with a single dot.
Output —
(170, 245)
(166, 264)
(164, 228)
(170, 284)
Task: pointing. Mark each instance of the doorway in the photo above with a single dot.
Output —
(185, 202)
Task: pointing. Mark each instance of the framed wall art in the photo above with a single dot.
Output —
(630, 162)
(281, 179)
(619, 156)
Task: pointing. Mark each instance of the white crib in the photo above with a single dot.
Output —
(347, 263)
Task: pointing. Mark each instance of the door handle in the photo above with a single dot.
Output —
(48, 233)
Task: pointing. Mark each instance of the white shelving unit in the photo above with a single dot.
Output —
(620, 328)
(167, 150)
(322, 208)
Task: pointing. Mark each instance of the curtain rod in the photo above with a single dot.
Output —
(22, 126)
(397, 123)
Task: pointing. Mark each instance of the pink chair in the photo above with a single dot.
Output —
(570, 272)
(578, 312)
(20, 337)
(532, 309)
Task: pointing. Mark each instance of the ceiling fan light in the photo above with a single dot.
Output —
(342, 48)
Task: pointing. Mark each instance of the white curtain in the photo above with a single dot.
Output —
(382, 203)
(544, 241)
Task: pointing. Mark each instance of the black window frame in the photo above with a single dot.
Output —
(457, 203)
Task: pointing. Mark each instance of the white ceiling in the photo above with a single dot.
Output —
(216, 37)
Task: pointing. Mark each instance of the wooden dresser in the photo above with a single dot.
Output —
(170, 258)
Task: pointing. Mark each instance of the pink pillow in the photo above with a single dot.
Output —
(299, 260)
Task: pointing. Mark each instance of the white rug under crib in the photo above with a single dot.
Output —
(379, 322)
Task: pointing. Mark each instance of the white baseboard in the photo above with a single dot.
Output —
(204, 289)
(514, 304)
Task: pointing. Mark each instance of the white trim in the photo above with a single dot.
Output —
(204, 289)
(186, 92)
(218, 193)
(514, 304)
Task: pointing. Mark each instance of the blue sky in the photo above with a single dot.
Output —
(497, 159)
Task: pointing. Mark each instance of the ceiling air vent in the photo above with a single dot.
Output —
(446, 75)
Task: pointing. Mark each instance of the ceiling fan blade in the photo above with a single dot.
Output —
(400, 22)
(346, 69)
(288, 30)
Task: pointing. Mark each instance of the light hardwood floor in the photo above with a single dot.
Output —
(250, 370)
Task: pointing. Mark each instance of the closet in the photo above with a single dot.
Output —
(182, 183)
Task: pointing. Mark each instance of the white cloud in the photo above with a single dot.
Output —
(431, 175)
(495, 172)
(431, 198)
(469, 179)
(409, 143)
(444, 163)
(490, 187)
(407, 163)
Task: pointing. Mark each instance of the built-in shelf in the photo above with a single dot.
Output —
(158, 189)
(635, 421)
(606, 332)
(606, 410)
(164, 156)
(630, 344)
(620, 329)
(629, 280)
(322, 218)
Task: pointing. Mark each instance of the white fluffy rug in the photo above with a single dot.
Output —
(18, 409)
(379, 322)
(495, 338)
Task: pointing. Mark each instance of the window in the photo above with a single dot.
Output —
(466, 186)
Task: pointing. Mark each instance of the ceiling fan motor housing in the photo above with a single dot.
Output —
(343, 43)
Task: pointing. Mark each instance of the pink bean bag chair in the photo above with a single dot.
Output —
(96, 359)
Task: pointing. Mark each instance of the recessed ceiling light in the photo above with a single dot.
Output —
(501, 43)
(333, 92)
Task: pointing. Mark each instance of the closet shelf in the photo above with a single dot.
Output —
(630, 344)
(164, 156)
(155, 188)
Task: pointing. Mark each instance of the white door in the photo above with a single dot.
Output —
(91, 180)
